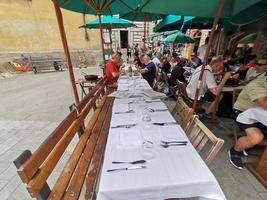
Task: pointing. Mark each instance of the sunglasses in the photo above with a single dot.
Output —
(260, 64)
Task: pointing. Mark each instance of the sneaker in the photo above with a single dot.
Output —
(207, 115)
(245, 153)
(235, 160)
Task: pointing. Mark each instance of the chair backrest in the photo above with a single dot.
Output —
(204, 141)
(182, 92)
(36, 170)
(182, 112)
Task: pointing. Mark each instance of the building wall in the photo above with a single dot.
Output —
(30, 26)
(135, 34)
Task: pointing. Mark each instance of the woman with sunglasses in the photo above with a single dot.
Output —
(258, 70)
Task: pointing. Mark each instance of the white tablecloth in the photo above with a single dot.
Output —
(253, 115)
(175, 172)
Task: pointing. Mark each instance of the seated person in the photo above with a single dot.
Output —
(174, 58)
(250, 62)
(253, 95)
(178, 73)
(194, 61)
(166, 66)
(148, 70)
(156, 60)
(113, 70)
(209, 87)
(259, 69)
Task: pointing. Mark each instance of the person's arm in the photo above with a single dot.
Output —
(117, 74)
(217, 90)
(262, 102)
(143, 71)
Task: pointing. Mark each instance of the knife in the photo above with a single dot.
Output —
(124, 126)
(126, 168)
(163, 124)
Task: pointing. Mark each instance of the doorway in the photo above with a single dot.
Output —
(124, 39)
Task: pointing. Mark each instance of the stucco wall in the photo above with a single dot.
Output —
(30, 26)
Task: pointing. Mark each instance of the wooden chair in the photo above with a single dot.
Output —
(182, 112)
(173, 90)
(204, 141)
(181, 86)
(79, 177)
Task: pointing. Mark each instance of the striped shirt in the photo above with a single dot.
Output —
(252, 91)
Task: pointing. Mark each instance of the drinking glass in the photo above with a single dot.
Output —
(148, 150)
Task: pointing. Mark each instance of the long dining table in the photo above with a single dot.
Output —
(162, 173)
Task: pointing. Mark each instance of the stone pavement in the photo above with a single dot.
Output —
(16, 136)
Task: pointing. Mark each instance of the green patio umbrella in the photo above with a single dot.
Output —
(138, 15)
(248, 38)
(105, 7)
(109, 23)
(252, 14)
(178, 38)
(99, 7)
(172, 22)
(199, 8)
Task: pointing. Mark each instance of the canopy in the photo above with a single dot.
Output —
(175, 22)
(199, 8)
(106, 7)
(248, 38)
(137, 15)
(178, 38)
(108, 22)
(172, 22)
(252, 14)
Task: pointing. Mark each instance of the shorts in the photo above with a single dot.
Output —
(243, 127)
(209, 97)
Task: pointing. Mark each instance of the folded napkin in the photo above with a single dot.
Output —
(130, 139)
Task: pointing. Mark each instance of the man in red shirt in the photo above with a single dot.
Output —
(113, 70)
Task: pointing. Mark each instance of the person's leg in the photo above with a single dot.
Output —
(253, 137)
(213, 106)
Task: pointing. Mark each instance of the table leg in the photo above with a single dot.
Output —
(259, 168)
(83, 91)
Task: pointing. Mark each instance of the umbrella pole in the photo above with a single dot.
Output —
(110, 35)
(144, 34)
(215, 23)
(66, 51)
(219, 43)
(102, 42)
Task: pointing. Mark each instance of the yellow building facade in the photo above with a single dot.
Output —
(30, 26)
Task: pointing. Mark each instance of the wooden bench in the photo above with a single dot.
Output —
(46, 64)
(79, 177)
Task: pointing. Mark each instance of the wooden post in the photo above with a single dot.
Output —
(215, 22)
(66, 51)
(219, 43)
(102, 41)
